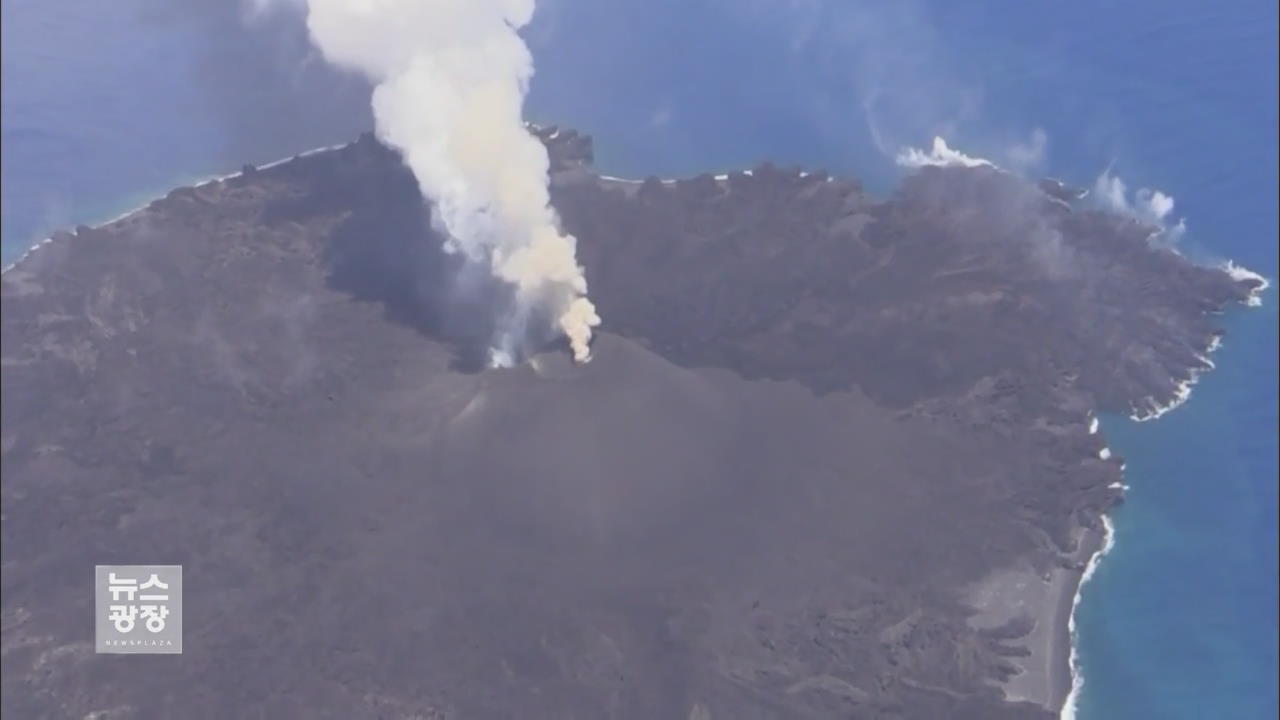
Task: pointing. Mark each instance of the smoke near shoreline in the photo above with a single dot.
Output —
(450, 81)
(1145, 205)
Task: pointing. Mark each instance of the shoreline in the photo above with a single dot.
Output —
(1181, 396)
(1046, 674)
(199, 182)
(1075, 668)
(1182, 392)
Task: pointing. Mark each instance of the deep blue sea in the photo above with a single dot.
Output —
(106, 104)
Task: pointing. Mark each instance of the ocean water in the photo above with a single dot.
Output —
(107, 104)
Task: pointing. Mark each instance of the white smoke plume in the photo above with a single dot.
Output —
(450, 81)
(940, 155)
(1150, 206)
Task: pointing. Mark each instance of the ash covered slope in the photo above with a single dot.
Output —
(269, 381)
(963, 273)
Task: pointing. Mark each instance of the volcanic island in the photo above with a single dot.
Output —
(836, 455)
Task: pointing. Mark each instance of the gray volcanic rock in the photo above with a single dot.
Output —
(919, 295)
(831, 459)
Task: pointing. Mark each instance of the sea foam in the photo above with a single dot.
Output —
(1239, 273)
(1154, 410)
